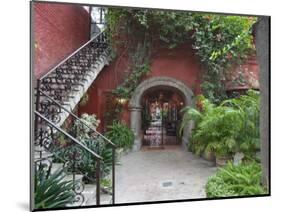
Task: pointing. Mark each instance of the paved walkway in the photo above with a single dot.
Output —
(155, 175)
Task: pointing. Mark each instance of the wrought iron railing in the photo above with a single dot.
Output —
(45, 138)
(63, 80)
(53, 93)
(93, 133)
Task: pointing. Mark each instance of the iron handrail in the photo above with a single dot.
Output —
(96, 156)
(72, 54)
(77, 118)
(113, 146)
(69, 136)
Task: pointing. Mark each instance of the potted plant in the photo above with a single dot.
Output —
(209, 155)
(121, 135)
(222, 160)
(223, 150)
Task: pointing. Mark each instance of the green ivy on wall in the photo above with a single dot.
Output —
(126, 32)
(220, 41)
(140, 67)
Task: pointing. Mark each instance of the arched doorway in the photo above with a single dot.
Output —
(161, 117)
(157, 83)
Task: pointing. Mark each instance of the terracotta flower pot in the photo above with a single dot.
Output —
(208, 155)
(222, 160)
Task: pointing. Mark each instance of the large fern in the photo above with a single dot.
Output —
(249, 107)
(227, 128)
(240, 180)
(189, 114)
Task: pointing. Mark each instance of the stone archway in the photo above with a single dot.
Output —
(135, 104)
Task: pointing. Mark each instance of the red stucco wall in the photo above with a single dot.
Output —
(243, 76)
(179, 63)
(59, 29)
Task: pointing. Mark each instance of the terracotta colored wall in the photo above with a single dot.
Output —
(244, 76)
(180, 63)
(107, 80)
(59, 29)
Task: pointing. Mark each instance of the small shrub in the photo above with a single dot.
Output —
(96, 144)
(87, 163)
(121, 135)
(240, 180)
(81, 131)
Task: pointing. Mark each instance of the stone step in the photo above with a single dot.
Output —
(89, 192)
(90, 188)
(105, 199)
(69, 177)
(56, 167)
(38, 156)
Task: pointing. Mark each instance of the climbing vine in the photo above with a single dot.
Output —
(128, 33)
(140, 67)
(220, 41)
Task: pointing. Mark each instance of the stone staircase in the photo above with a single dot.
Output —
(70, 79)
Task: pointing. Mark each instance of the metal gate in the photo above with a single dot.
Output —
(160, 123)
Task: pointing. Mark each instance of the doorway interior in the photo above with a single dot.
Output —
(161, 117)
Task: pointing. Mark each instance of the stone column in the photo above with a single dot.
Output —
(186, 134)
(136, 126)
(187, 129)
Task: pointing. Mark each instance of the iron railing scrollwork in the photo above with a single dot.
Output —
(64, 79)
(94, 134)
(45, 139)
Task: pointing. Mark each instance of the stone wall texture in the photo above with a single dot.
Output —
(59, 29)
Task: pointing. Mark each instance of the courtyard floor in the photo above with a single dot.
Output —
(154, 175)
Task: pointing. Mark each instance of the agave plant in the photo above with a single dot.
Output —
(51, 190)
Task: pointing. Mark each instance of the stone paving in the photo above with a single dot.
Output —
(164, 174)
